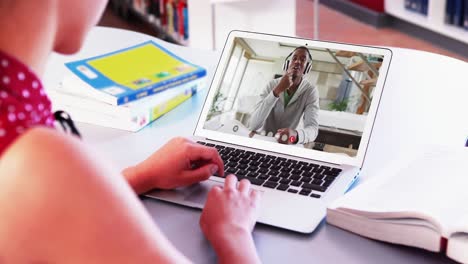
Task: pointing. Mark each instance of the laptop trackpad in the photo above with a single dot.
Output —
(193, 196)
(198, 193)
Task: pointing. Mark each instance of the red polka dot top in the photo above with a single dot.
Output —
(23, 102)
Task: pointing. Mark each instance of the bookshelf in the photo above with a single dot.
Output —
(361, 66)
(210, 21)
(168, 18)
(435, 19)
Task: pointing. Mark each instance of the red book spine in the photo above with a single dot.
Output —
(162, 10)
(443, 245)
(180, 11)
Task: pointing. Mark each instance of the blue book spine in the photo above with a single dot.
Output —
(408, 4)
(466, 15)
(161, 86)
(458, 12)
(424, 7)
(416, 5)
(449, 11)
(186, 24)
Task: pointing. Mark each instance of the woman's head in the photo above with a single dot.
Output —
(31, 30)
(66, 21)
(74, 19)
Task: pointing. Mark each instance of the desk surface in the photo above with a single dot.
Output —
(424, 100)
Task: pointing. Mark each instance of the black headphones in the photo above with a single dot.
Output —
(287, 61)
(66, 122)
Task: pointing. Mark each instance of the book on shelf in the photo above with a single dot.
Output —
(132, 73)
(170, 15)
(465, 16)
(458, 13)
(425, 7)
(132, 116)
(419, 201)
(407, 4)
(449, 9)
(418, 6)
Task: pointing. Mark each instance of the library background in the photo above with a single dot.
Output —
(438, 26)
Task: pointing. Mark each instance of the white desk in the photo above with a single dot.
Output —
(425, 100)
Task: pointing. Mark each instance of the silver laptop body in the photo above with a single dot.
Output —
(324, 168)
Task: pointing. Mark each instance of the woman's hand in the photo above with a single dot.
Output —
(180, 162)
(228, 218)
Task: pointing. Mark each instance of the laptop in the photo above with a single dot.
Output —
(330, 112)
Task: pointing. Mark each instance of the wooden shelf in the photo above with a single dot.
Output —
(335, 149)
(372, 81)
(361, 66)
(346, 54)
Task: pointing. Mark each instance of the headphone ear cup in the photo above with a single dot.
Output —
(307, 68)
(286, 65)
(286, 62)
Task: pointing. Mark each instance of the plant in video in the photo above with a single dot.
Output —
(339, 106)
(217, 105)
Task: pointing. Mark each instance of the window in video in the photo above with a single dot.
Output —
(306, 97)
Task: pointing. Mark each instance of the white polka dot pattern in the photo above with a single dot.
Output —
(23, 102)
(25, 93)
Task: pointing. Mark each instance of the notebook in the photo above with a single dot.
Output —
(419, 201)
(311, 162)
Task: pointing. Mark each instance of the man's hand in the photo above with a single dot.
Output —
(285, 82)
(180, 162)
(286, 136)
(228, 218)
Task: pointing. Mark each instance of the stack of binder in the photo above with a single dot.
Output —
(127, 89)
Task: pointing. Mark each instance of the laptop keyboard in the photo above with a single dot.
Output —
(298, 177)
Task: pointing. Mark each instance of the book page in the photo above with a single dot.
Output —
(457, 247)
(429, 184)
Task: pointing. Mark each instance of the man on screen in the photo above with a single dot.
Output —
(286, 99)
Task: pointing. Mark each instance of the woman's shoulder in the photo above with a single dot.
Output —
(39, 144)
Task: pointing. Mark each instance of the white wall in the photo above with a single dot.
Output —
(200, 24)
(220, 17)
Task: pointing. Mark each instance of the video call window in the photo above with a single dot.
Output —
(302, 96)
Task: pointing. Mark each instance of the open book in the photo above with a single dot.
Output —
(421, 200)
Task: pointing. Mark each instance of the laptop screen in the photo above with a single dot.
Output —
(295, 94)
